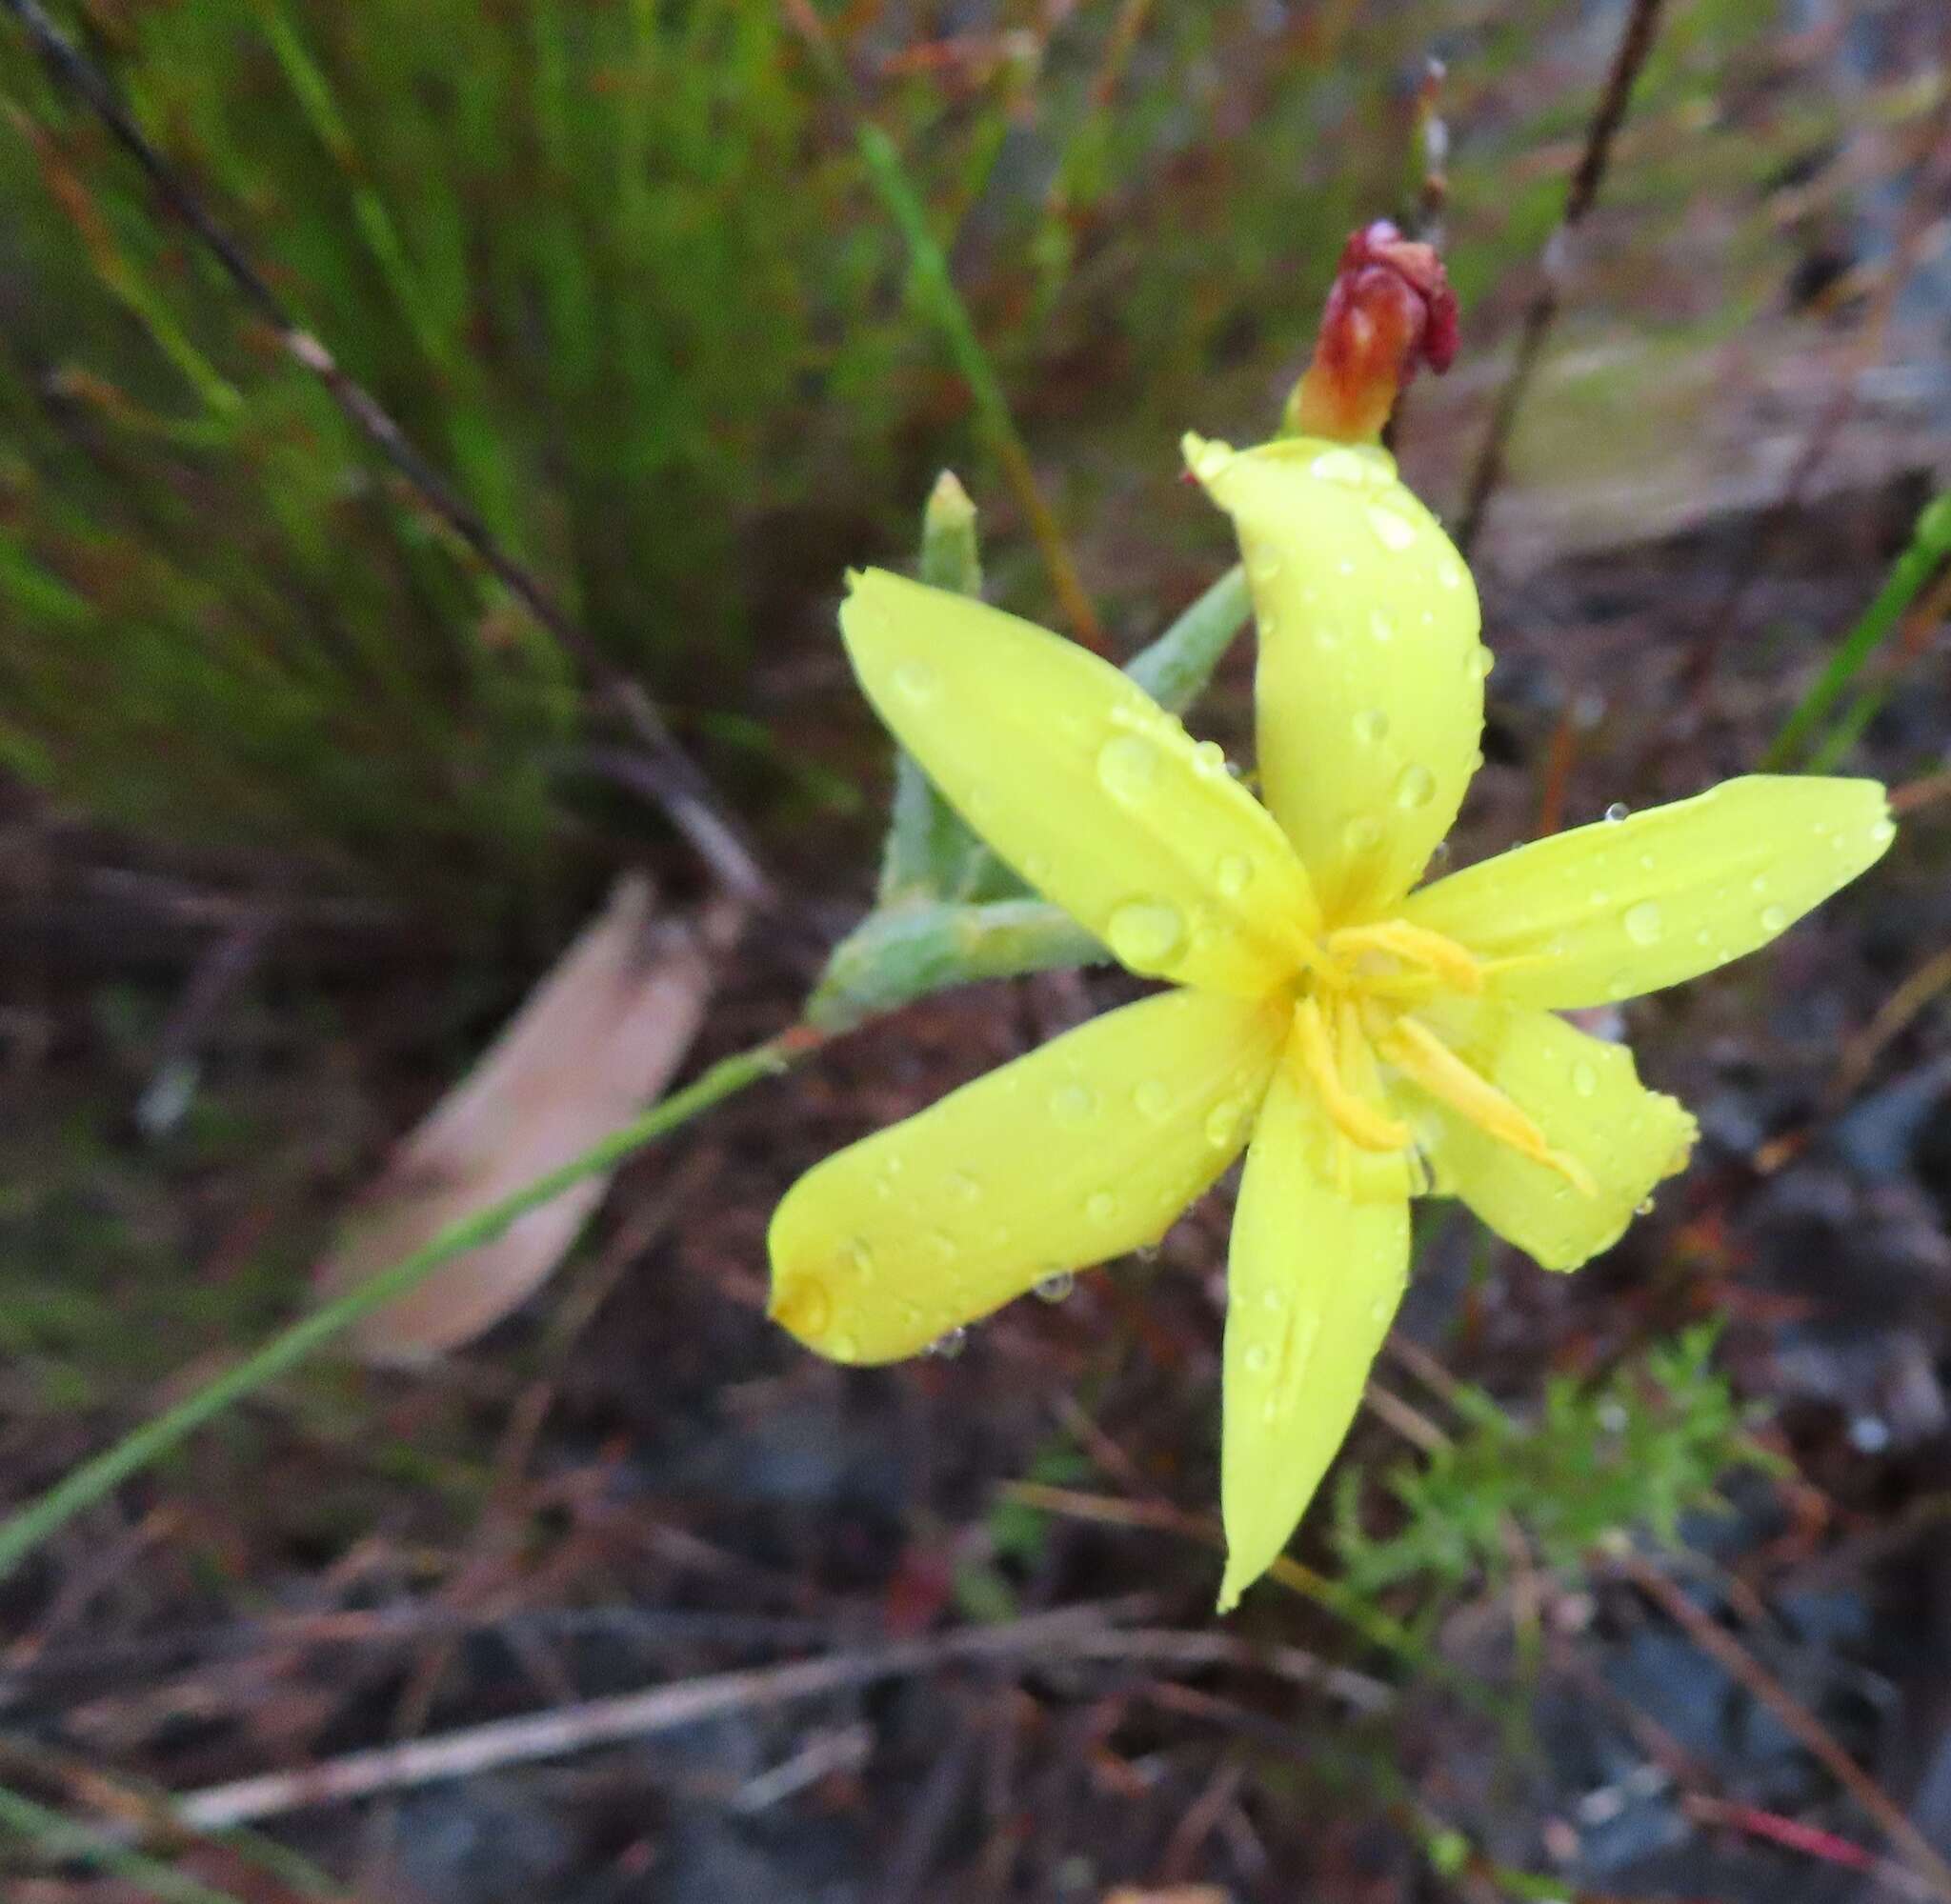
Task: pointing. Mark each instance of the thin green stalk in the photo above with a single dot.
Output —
(63, 1838)
(1930, 545)
(944, 303)
(94, 1480)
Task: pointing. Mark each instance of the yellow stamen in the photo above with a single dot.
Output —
(1416, 946)
(1417, 1050)
(1356, 1120)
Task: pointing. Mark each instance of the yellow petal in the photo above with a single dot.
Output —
(1586, 1097)
(1077, 1152)
(1313, 1282)
(1370, 690)
(1086, 786)
(1611, 910)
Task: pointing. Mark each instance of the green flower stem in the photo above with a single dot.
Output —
(1930, 547)
(61, 1837)
(22, 1532)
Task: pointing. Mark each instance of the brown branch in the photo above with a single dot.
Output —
(1629, 58)
(669, 775)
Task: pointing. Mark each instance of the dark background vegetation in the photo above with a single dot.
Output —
(295, 802)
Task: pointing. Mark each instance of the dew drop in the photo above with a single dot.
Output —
(1380, 626)
(1362, 833)
(1392, 531)
(1759, 885)
(1153, 1098)
(945, 1246)
(1371, 725)
(1258, 1358)
(1379, 1312)
(1145, 934)
(1451, 574)
(1773, 918)
(1234, 875)
(1883, 834)
(1439, 856)
(915, 681)
(1616, 811)
(1073, 1105)
(1222, 1121)
(966, 1187)
(1339, 466)
(1055, 1287)
(843, 1349)
(1100, 1206)
(1644, 1209)
(1209, 758)
(1584, 1079)
(1265, 565)
(1479, 661)
(1272, 1301)
(858, 1259)
(1127, 767)
(1036, 866)
(947, 1345)
(1417, 787)
(1644, 923)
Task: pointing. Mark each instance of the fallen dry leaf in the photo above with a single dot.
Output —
(596, 1040)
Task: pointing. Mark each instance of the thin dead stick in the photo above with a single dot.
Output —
(1729, 1653)
(1074, 1634)
(1898, 1011)
(669, 774)
(1629, 58)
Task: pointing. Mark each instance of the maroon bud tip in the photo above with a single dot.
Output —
(1390, 311)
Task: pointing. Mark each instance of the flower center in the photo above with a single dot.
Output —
(1355, 1014)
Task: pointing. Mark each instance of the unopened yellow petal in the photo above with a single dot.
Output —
(1370, 690)
(1586, 1099)
(1085, 1148)
(1089, 788)
(1611, 910)
(1313, 1282)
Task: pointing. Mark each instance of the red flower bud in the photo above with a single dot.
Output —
(1389, 309)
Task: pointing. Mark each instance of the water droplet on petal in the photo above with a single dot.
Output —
(966, 1187)
(1073, 1105)
(1273, 1300)
(1759, 884)
(1362, 833)
(915, 681)
(1371, 725)
(1100, 1206)
(1209, 758)
(1773, 918)
(1379, 1312)
(1055, 1287)
(1616, 811)
(1339, 466)
(945, 1246)
(1127, 767)
(1479, 661)
(1221, 1122)
(1380, 626)
(1415, 787)
(1644, 1209)
(1439, 856)
(857, 1257)
(843, 1348)
(1392, 531)
(1234, 875)
(1584, 1078)
(1264, 566)
(1883, 834)
(946, 1347)
(1145, 934)
(1153, 1097)
(1644, 923)
(1258, 1358)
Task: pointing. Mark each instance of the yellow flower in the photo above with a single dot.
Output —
(1362, 1041)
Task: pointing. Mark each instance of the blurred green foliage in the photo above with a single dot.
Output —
(1628, 1454)
(615, 266)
